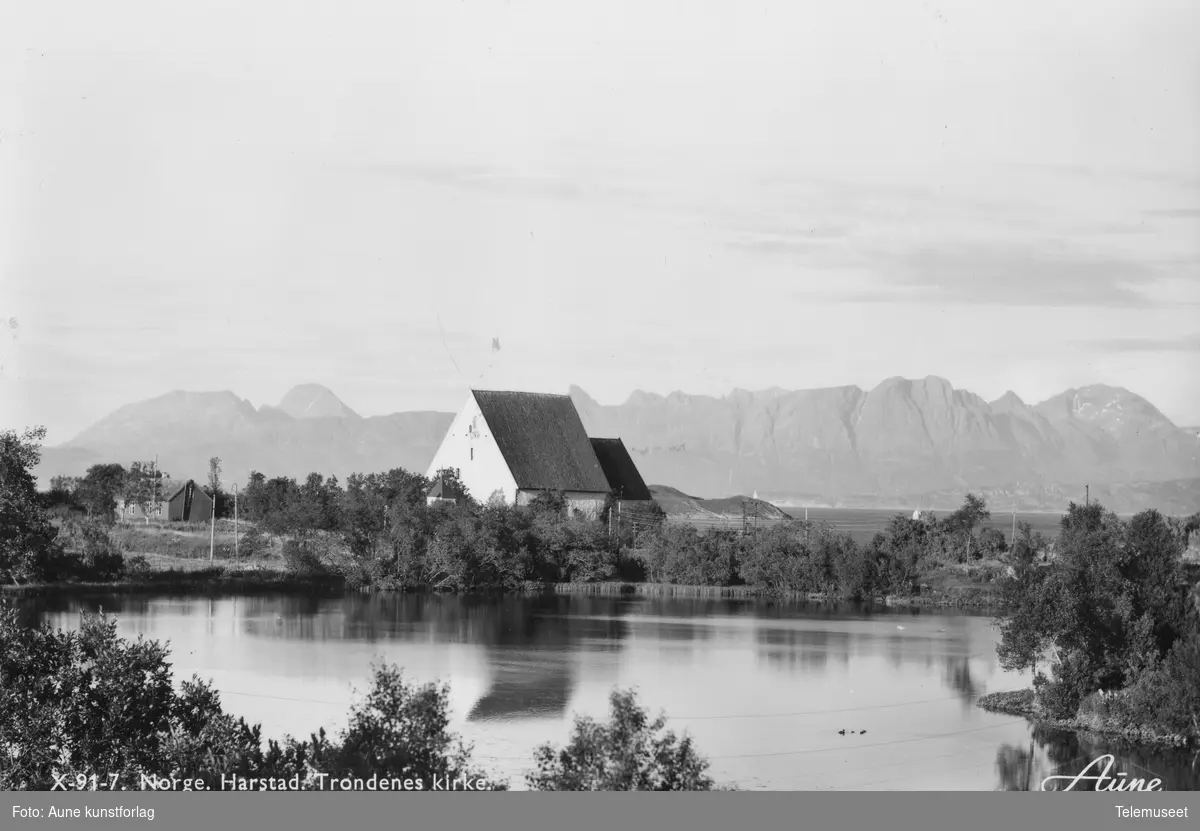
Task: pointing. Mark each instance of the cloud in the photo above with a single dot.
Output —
(1158, 177)
(1187, 343)
(508, 182)
(814, 242)
(912, 243)
(1012, 275)
(1175, 213)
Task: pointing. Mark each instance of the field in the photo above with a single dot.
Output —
(180, 545)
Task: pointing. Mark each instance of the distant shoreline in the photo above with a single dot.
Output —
(999, 514)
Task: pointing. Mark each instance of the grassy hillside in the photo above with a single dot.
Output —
(678, 504)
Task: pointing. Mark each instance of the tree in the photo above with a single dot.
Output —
(1107, 610)
(966, 519)
(255, 501)
(312, 509)
(452, 480)
(629, 753)
(1028, 545)
(64, 484)
(27, 536)
(144, 484)
(99, 489)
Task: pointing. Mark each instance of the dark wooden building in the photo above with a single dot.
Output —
(190, 504)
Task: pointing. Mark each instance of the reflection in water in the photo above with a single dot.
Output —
(957, 676)
(1019, 769)
(805, 649)
(763, 688)
(531, 655)
(1064, 753)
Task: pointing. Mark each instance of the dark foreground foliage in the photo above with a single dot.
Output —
(89, 703)
(632, 752)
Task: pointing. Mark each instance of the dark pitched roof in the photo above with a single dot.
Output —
(183, 487)
(622, 474)
(542, 441)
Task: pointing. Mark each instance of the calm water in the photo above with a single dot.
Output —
(764, 688)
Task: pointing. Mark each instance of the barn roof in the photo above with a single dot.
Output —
(542, 441)
(622, 474)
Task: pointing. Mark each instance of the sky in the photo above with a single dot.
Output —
(659, 195)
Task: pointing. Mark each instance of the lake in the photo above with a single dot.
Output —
(764, 688)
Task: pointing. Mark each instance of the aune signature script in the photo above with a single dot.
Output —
(1104, 781)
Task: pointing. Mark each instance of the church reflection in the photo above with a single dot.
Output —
(532, 653)
(531, 644)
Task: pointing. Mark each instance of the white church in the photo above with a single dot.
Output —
(511, 446)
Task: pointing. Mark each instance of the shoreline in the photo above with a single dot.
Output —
(187, 582)
(632, 589)
(217, 580)
(1021, 703)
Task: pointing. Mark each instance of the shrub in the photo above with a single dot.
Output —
(682, 555)
(95, 556)
(854, 569)
(1059, 697)
(300, 557)
(991, 544)
(254, 544)
(137, 565)
(590, 567)
(399, 730)
(1168, 696)
(79, 702)
(788, 559)
(631, 752)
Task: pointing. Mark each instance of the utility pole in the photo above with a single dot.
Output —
(235, 522)
(1087, 495)
(1014, 530)
(620, 498)
(212, 537)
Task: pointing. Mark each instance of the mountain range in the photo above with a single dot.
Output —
(897, 444)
